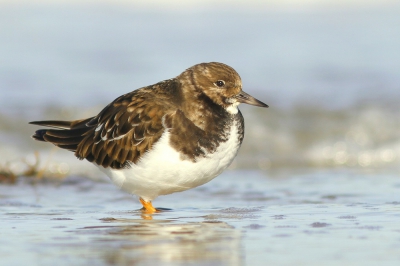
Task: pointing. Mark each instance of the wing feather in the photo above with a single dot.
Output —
(122, 132)
(129, 129)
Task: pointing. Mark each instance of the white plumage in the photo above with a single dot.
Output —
(162, 170)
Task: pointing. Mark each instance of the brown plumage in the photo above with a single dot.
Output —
(121, 132)
(130, 125)
(198, 110)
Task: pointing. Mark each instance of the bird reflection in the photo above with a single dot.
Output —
(157, 242)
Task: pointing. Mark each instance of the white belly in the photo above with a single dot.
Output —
(162, 171)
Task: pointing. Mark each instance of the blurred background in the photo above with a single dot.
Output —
(329, 70)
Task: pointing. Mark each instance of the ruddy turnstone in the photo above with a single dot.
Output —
(164, 138)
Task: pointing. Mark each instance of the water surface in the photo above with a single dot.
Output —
(241, 218)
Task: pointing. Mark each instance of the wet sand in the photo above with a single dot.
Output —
(241, 218)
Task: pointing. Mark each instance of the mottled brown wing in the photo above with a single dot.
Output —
(123, 131)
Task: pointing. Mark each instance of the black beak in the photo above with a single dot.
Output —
(243, 97)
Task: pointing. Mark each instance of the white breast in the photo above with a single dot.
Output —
(162, 171)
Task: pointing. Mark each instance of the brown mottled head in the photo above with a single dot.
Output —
(221, 83)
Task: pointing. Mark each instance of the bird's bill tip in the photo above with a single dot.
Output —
(244, 97)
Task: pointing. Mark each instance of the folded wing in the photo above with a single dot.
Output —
(119, 135)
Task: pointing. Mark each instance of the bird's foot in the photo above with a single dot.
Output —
(148, 207)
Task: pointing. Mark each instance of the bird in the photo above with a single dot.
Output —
(164, 138)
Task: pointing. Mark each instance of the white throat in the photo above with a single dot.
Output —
(233, 108)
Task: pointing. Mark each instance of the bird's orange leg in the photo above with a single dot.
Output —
(147, 206)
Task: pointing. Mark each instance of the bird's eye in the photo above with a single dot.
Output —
(220, 83)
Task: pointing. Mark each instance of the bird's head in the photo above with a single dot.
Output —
(222, 84)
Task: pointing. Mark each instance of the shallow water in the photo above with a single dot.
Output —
(241, 218)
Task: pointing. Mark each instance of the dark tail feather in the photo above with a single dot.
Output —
(63, 141)
(63, 134)
(53, 123)
(67, 136)
(39, 134)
